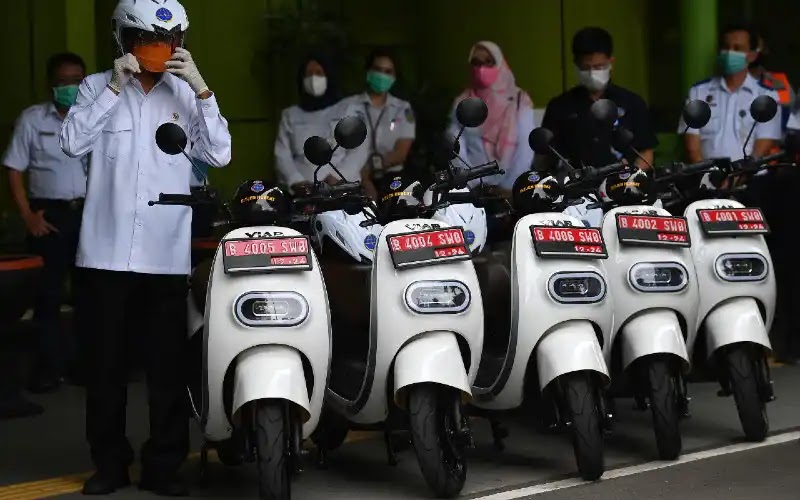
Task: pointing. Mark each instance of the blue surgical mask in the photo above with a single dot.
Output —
(731, 61)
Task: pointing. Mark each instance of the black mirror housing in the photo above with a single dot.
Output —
(317, 150)
(622, 138)
(763, 108)
(696, 114)
(171, 139)
(605, 112)
(540, 139)
(472, 112)
(350, 132)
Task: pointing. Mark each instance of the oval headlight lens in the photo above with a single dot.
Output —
(581, 288)
(658, 277)
(259, 309)
(742, 267)
(437, 297)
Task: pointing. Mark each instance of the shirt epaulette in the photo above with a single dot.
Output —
(702, 82)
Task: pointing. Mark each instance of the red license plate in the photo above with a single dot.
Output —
(732, 221)
(551, 241)
(656, 230)
(267, 254)
(427, 247)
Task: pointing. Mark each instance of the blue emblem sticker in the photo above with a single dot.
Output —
(621, 112)
(164, 15)
(396, 183)
(533, 177)
(371, 241)
(257, 187)
(624, 175)
(469, 236)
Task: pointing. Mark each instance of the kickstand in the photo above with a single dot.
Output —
(203, 479)
(390, 453)
(499, 433)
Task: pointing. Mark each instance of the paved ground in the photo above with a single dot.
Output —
(46, 456)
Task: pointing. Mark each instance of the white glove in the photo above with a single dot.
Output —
(182, 65)
(123, 71)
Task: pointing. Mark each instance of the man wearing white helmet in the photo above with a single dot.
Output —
(134, 258)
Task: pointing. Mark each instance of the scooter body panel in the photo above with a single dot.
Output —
(430, 357)
(654, 331)
(717, 292)
(393, 323)
(226, 337)
(646, 308)
(536, 313)
(736, 320)
(270, 372)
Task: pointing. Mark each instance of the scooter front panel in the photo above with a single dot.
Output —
(628, 263)
(707, 253)
(535, 309)
(393, 322)
(227, 333)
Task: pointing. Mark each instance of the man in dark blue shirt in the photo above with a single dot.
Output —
(568, 115)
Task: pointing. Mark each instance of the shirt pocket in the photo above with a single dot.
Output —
(117, 136)
(45, 147)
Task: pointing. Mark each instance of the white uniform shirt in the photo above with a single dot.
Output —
(385, 126)
(34, 147)
(296, 126)
(120, 232)
(726, 131)
(473, 150)
(794, 120)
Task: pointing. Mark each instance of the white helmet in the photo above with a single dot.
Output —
(165, 18)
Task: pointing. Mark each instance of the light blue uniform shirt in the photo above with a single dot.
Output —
(35, 148)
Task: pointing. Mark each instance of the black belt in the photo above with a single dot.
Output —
(75, 204)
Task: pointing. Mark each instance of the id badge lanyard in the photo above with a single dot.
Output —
(376, 160)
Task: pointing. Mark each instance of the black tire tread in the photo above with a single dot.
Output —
(580, 398)
(742, 368)
(663, 395)
(424, 415)
(273, 466)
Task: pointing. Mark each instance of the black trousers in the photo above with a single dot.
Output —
(120, 310)
(55, 347)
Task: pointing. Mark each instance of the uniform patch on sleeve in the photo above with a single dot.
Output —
(409, 114)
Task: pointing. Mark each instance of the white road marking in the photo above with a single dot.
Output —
(646, 467)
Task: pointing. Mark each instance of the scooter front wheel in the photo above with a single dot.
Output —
(434, 435)
(580, 396)
(742, 365)
(662, 389)
(272, 446)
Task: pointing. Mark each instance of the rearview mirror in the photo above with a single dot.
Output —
(763, 109)
(540, 139)
(622, 138)
(605, 112)
(696, 114)
(350, 133)
(171, 139)
(317, 150)
(472, 112)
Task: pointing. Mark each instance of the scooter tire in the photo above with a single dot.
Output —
(272, 447)
(742, 365)
(580, 397)
(663, 395)
(440, 458)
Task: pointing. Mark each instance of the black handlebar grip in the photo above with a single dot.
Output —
(483, 171)
(343, 188)
(177, 198)
(697, 167)
(610, 169)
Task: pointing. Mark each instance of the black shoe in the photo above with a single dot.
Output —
(173, 487)
(106, 482)
(19, 407)
(42, 385)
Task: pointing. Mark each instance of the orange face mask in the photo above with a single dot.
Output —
(154, 56)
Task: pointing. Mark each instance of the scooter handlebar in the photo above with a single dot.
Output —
(176, 199)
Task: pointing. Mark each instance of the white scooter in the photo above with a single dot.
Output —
(408, 329)
(735, 272)
(652, 276)
(267, 335)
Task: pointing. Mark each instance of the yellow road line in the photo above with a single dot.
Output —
(47, 488)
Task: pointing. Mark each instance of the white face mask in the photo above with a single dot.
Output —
(594, 79)
(315, 85)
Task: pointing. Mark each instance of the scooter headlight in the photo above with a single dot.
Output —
(438, 297)
(658, 277)
(580, 288)
(271, 309)
(742, 267)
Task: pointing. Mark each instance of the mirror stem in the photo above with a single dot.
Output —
(337, 171)
(196, 169)
(744, 148)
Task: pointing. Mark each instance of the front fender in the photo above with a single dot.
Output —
(655, 331)
(735, 320)
(569, 347)
(271, 372)
(430, 358)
